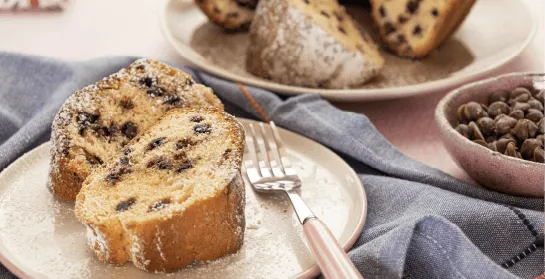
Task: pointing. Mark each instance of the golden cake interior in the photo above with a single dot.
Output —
(186, 157)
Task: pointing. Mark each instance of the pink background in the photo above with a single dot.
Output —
(88, 29)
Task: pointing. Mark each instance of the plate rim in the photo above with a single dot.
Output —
(309, 273)
(339, 95)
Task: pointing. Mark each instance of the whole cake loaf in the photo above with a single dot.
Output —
(172, 196)
(414, 28)
(100, 119)
(232, 15)
(312, 43)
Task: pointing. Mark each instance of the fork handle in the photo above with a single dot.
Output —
(331, 258)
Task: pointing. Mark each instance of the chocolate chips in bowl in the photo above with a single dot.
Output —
(494, 130)
(511, 123)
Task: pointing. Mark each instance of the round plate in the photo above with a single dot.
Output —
(40, 236)
(486, 40)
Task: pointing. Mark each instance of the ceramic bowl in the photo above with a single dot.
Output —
(490, 168)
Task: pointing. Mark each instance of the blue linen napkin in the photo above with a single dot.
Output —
(422, 223)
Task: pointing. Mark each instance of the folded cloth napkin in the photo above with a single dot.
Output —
(421, 223)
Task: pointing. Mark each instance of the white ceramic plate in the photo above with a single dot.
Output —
(494, 33)
(41, 238)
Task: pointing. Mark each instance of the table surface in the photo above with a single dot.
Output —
(88, 29)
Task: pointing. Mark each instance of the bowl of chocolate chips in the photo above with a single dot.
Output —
(494, 130)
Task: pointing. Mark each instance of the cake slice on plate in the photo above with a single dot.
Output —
(414, 28)
(172, 196)
(311, 43)
(99, 119)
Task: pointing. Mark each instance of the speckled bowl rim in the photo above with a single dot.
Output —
(338, 95)
(441, 119)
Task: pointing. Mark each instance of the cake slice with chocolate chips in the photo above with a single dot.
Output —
(312, 43)
(172, 196)
(414, 28)
(232, 15)
(100, 119)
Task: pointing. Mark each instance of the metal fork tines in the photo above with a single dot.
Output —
(268, 168)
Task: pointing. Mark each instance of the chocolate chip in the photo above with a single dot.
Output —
(84, 117)
(112, 177)
(155, 92)
(216, 10)
(473, 111)
(140, 67)
(342, 30)
(103, 131)
(539, 155)
(388, 28)
(474, 132)
(463, 130)
(306, 1)
(417, 30)
(180, 156)
(435, 12)
(534, 115)
(501, 144)
(401, 38)
(504, 124)
(202, 128)
(517, 114)
(324, 13)
(172, 100)
(499, 96)
(126, 104)
(196, 118)
(521, 106)
(130, 130)
(155, 143)
(125, 205)
(127, 151)
(402, 19)
(180, 144)
(412, 6)
(497, 108)
(486, 125)
(338, 16)
(158, 205)
(161, 163)
(524, 129)
(184, 166)
(92, 158)
(124, 161)
(535, 104)
(232, 15)
(519, 91)
(247, 3)
(146, 81)
(382, 11)
(511, 150)
(528, 146)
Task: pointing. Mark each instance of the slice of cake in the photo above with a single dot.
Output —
(414, 28)
(232, 15)
(312, 43)
(172, 196)
(98, 120)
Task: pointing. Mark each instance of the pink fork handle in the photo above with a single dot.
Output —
(331, 258)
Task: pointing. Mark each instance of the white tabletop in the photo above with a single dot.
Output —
(94, 28)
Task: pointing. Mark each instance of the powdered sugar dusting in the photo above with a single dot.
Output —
(302, 53)
(43, 234)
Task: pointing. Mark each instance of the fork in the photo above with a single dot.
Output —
(274, 175)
